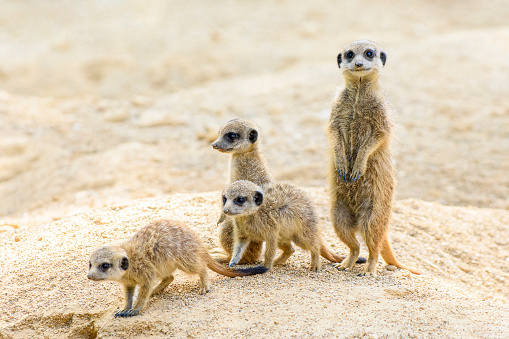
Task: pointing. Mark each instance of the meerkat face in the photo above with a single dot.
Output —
(236, 136)
(108, 263)
(242, 198)
(361, 58)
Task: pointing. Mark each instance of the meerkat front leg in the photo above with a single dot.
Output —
(270, 251)
(129, 297)
(370, 144)
(238, 250)
(144, 293)
(339, 154)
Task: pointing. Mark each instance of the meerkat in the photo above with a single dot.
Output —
(361, 170)
(277, 214)
(239, 137)
(153, 254)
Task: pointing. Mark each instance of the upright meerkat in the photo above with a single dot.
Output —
(239, 137)
(153, 254)
(279, 214)
(361, 170)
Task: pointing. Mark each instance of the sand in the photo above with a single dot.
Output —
(107, 112)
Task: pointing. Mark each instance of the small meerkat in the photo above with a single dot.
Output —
(239, 137)
(152, 254)
(278, 214)
(361, 170)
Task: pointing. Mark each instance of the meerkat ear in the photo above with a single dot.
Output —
(124, 263)
(339, 60)
(253, 136)
(258, 198)
(383, 57)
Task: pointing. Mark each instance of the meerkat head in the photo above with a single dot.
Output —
(361, 58)
(236, 136)
(108, 263)
(242, 197)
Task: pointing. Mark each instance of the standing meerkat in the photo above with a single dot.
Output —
(239, 137)
(152, 254)
(361, 170)
(279, 214)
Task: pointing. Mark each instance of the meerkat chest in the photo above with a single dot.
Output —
(255, 227)
(356, 113)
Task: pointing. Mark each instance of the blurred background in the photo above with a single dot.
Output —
(107, 101)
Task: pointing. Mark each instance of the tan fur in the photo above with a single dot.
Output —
(361, 170)
(152, 255)
(247, 163)
(278, 214)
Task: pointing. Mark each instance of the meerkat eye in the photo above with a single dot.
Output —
(224, 200)
(104, 267)
(89, 265)
(240, 201)
(369, 54)
(349, 55)
(231, 136)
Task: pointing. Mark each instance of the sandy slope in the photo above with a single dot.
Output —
(463, 253)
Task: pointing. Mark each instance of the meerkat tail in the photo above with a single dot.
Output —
(327, 254)
(389, 258)
(232, 273)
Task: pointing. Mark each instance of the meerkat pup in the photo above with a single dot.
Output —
(278, 214)
(239, 137)
(361, 170)
(152, 255)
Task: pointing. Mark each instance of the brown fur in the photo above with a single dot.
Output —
(361, 170)
(278, 214)
(247, 163)
(153, 254)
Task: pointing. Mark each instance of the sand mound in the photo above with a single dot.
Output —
(463, 292)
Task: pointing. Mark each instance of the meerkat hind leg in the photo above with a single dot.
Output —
(315, 260)
(287, 249)
(270, 252)
(204, 281)
(345, 229)
(163, 284)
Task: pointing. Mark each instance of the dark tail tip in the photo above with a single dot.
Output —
(252, 270)
(361, 260)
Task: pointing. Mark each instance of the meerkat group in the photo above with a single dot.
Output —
(257, 209)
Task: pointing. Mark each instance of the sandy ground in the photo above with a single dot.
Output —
(463, 293)
(103, 103)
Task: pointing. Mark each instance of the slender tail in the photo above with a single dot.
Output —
(327, 254)
(389, 258)
(232, 273)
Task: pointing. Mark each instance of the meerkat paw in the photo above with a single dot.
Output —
(354, 176)
(342, 172)
(126, 313)
(204, 290)
(341, 267)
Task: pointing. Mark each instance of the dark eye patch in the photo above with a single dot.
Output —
(231, 136)
(89, 265)
(239, 201)
(224, 199)
(349, 55)
(104, 267)
(369, 54)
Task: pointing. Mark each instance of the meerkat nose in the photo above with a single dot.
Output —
(214, 145)
(358, 64)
